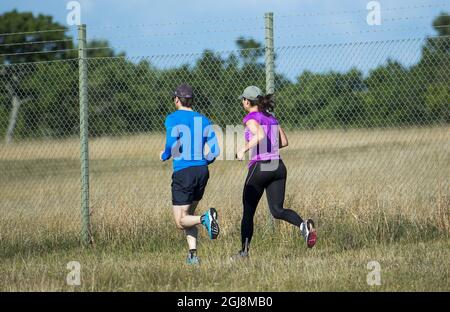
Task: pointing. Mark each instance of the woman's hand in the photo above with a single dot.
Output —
(282, 138)
(240, 155)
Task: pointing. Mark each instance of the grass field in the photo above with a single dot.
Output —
(376, 195)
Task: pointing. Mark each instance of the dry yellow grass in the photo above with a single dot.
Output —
(375, 194)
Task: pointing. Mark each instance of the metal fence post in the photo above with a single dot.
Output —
(84, 132)
(270, 75)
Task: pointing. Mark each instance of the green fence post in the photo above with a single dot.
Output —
(84, 132)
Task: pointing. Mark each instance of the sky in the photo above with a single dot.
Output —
(150, 28)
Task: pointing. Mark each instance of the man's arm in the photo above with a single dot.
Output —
(211, 140)
(170, 141)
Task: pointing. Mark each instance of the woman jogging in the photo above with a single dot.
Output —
(187, 132)
(266, 170)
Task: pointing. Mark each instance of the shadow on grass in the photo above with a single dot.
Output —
(110, 239)
(333, 237)
(36, 247)
(347, 235)
(351, 236)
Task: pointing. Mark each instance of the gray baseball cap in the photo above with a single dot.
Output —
(251, 93)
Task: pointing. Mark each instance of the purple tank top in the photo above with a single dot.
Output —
(268, 148)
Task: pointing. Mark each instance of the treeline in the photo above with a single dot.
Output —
(127, 96)
(391, 95)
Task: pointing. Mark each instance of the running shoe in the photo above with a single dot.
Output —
(309, 232)
(241, 255)
(192, 260)
(209, 220)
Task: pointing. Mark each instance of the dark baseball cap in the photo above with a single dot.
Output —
(183, 91)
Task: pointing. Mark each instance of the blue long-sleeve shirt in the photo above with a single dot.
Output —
(187, 132)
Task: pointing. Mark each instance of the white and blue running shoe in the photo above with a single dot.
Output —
(209, 220)
(192, 260)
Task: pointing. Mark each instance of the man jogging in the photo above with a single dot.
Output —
(187, 132)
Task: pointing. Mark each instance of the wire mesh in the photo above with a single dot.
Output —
(359, 123)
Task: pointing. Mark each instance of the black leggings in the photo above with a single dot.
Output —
(274, 182)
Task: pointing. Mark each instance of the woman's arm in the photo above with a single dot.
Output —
(283, 138)
(258, 135)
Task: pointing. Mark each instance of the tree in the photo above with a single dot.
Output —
(250, 50)
(432, 73)
(25, 46)
(128, 97)
(101, 48)
(29, 38)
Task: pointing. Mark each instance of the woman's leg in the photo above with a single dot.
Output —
(253, 190)
(275, 193)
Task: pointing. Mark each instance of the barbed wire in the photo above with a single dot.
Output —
(365, 10)
(350, 43)
(37, 52)
(33, 42)
(208, 21)
(39, 62)
(280, 48)
(214, 31)
(184, 33)
(315, 45)
(361, 31)
(209, 31)
(35, 32)
(222, 20)
(178, 43)
(260, 18)
(293, 35)
(67, 28)
(356, 22)
(424, 6)
(227, 51)
(441, 26)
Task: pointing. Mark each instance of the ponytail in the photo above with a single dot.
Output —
(266, 103)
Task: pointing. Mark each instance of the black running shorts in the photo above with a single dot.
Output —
(188, 184)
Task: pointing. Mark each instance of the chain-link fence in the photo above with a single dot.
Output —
(361, 129)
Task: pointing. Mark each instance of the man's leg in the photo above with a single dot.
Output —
(192, 231)
(185, 220)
